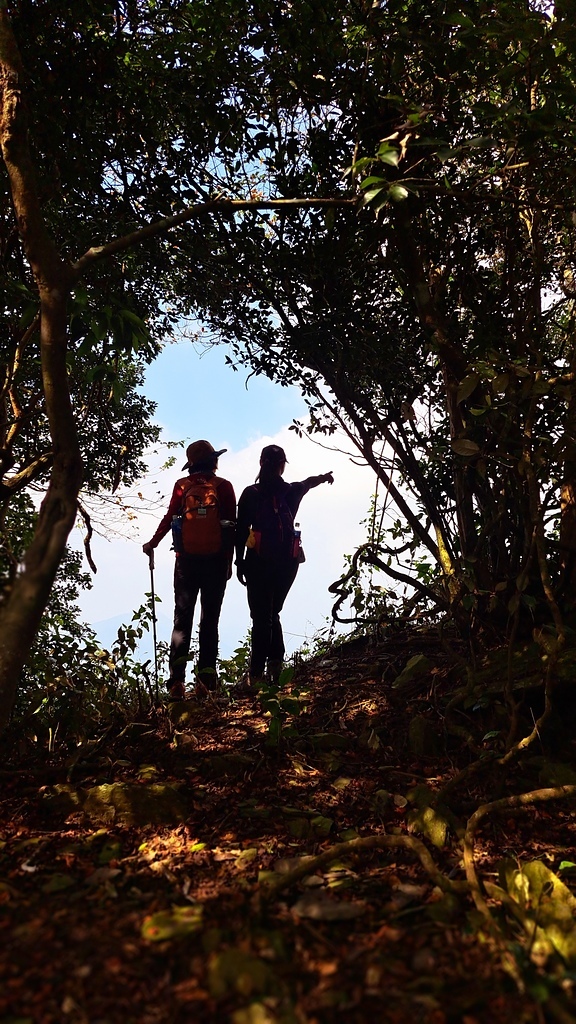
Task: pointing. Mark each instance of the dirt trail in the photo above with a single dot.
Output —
(133, 889)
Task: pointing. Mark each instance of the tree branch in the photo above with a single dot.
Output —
(226, 207)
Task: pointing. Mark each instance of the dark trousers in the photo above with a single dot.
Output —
(206, 575)
(267, 583)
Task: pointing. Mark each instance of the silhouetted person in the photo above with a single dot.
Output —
(268, 553)
(201, 514)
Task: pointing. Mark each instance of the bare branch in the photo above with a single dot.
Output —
(89, 531)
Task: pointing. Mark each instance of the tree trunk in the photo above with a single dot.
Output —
(23, 610)
(568, 497)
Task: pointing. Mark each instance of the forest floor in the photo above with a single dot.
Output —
(135, 884)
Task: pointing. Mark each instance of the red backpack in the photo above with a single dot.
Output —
(201, 528)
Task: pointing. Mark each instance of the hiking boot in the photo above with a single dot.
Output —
(249, 686)
(176, 690)
(208, 677)
(274, 670)
(201, 690)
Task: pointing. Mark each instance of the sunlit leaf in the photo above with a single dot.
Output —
(398, 193)
(172, 924)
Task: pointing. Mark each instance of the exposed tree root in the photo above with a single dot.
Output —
(385, 842)
(511, 755)
(462, 776)
(521, 800)
(359, 846)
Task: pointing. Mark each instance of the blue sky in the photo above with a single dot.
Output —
(199, 396)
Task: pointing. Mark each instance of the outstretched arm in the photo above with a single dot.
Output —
(315, 481)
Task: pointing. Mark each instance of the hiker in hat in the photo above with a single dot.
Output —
(268, 553)
(201, 514)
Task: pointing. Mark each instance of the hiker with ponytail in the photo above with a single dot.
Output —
(268, 554)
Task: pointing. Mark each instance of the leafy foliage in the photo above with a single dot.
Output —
(439, 322)
(71, 687)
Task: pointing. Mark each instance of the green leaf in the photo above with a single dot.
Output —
(348, 834)
(342, 782)
(431, 823)
(372, 180)
(371, 194)
(398, 193)
(321, 825)
(246, 857)
(464, 447)
(58, 883)
(286, 676)
(112, 850)
(479, 142)
(274, 731)
(255, 1013)
(415, 667)
(329, 219)
(459, 20)
(234, 971)
(388, 154)
(467, 386)
(290, 704)
(299, 828)
(500, 383)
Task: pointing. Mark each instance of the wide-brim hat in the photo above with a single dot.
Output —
(273, 454)
(201, 451)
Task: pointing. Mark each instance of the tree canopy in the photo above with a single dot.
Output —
(441, 315)
(365, 198)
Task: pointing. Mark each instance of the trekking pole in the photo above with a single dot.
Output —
(153, 598)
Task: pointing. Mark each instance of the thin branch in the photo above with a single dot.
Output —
(89, 531)
(409, 580)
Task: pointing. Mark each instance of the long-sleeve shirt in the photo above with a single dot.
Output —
(226, 504)
(251, 496)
